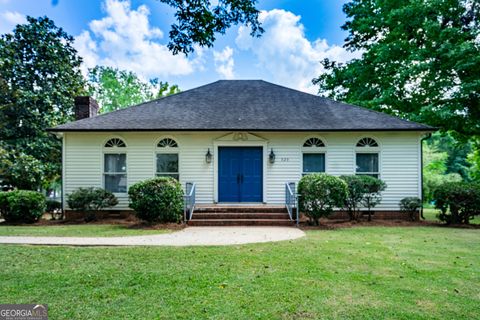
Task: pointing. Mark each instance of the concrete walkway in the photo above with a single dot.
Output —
(191, 236)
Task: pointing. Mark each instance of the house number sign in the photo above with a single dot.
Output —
(284, 159)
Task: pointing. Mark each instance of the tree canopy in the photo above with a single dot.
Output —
(116, 89)
(420, 61)
(39, 78)
(198, 21)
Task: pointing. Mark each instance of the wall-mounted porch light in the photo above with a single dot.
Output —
(271, 156)
(208, 156)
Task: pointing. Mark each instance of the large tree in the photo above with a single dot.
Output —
(39, 78)
(420, 60)
(198, 21)
(116, 89)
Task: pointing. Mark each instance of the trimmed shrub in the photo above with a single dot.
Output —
(373, 193)
(91, 200)
(320, 194)
(356, 192)
(410, 206)
(458, 202)
(22, 206)
(363, 191)
(432, 181)
(157, 200)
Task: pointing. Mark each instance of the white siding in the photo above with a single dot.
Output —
(287, 166)
(399, 168)
(82, 161)
(193, 167)
(399, 160)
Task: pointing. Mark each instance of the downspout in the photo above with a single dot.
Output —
(63, 177)
(61, 136)
(421, 172)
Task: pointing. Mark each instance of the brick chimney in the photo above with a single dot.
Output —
(85, 107)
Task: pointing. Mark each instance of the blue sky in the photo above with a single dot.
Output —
(133, 34)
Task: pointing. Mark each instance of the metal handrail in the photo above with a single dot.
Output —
(297, 209)
(189, 201)
(290, 198)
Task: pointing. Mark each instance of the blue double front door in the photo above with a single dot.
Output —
(240, 174)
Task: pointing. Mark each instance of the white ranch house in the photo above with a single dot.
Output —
(240, 142)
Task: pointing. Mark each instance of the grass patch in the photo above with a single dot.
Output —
(430, 214)
(83, 230)
(361, 273)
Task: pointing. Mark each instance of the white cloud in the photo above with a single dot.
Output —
(285, 53)
(125, 39)
(9, 19)
(224, 62)
(87, 49)
(14, 17)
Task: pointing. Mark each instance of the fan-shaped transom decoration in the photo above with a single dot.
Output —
(314, 142)
(167, 142)
(367, 142)
(115, 143)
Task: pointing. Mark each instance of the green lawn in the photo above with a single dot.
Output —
(91, 230)
(361, 273)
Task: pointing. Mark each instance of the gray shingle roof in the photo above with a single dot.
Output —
(252, 105)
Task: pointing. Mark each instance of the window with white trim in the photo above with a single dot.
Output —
(367, 157)
(313, 156)
(167, 159)
(115, 166)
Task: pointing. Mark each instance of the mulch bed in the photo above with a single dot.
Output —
(325, 224)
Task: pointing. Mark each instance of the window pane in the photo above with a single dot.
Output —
(367, 162)
(116, 162)
(313, 162)
(116, 183)
(167, 162)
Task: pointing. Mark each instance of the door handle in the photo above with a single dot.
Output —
(238, 178)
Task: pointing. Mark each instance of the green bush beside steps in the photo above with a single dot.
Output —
(319, 194)
(157, 200)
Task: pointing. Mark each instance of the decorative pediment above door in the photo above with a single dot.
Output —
(240, 136)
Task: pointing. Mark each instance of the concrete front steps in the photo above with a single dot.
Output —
(261, 215)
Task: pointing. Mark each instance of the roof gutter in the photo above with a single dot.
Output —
(242, 129)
